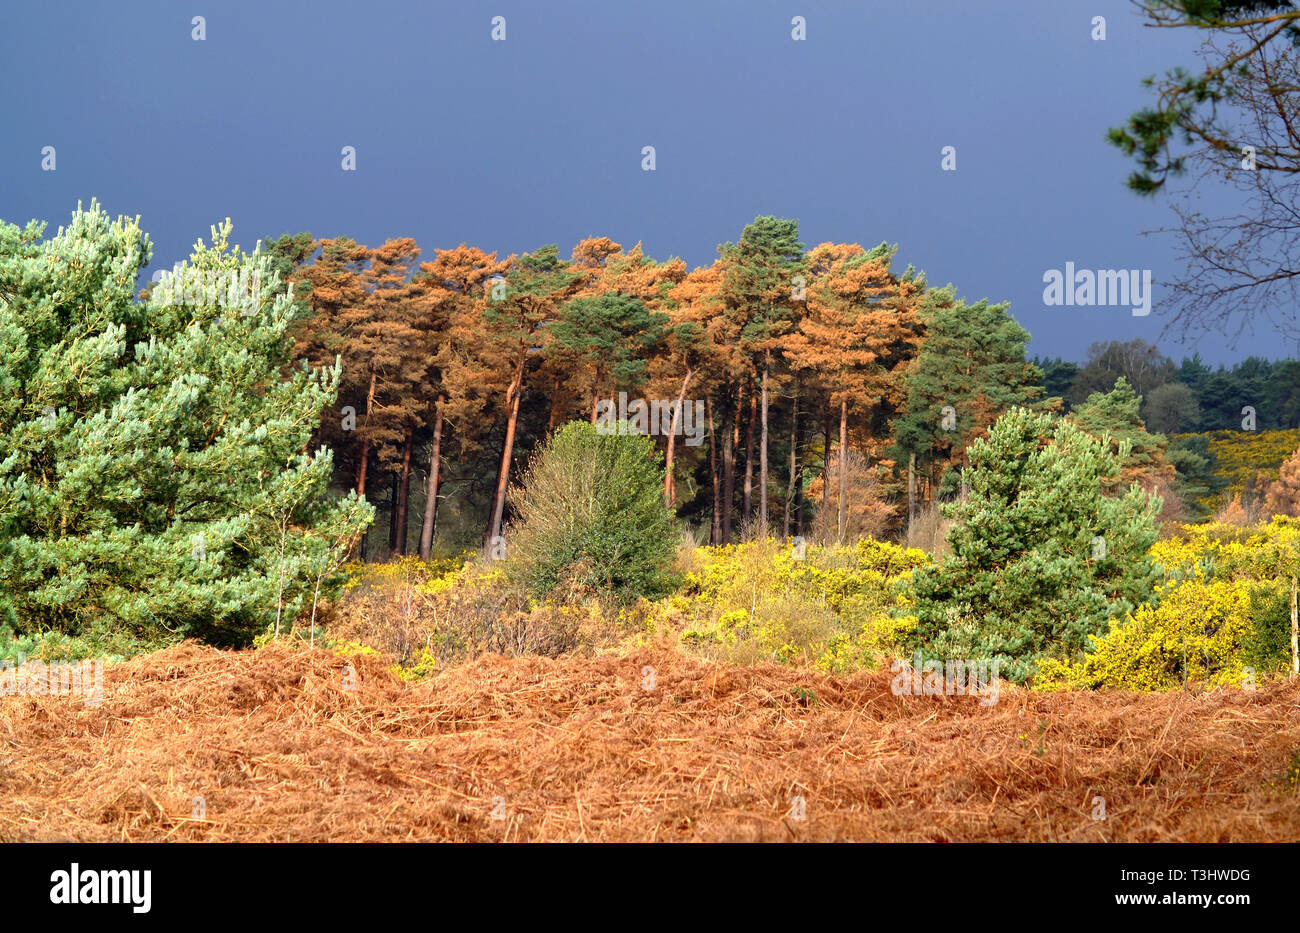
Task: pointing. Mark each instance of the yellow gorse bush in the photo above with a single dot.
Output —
(1198, 628)
(841, 609)
(1240, 456)
(832, 606)
(1193, 635)
(1262, 552)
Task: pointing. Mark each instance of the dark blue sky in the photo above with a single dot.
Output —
(537, 139)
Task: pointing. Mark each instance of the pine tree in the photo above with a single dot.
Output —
(501, 337)
(971, 362)
(612, 336)
(154, 472)
(859, 330)
(1114, 416)
(383, 353)
(758, 287)
(455, 284)
(1040, 557)
(700, 342)
(330, 285)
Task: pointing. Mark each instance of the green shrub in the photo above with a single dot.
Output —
(1040, 557)
(1266, 644)
(591, 517)
(51, 646)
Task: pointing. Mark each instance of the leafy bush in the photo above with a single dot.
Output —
(1226, 606)
(1263, 557)
(832, 606)
(51, 646)
(1040, 557)
(1193, 635)
(591, 517)
(1266, 645)
(428, 616)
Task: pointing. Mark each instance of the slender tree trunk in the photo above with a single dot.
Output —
(595, 395)
(748, 500)
(1295, 632)
(844, 467)
(794, 461)
(431, 498)
(728, 467)
(826, 460)
(798, 486)
(359, 549)
(365, 438)
(735, 421)
(670, 479)
(392, 512)
(503, 475)
(911, 492)
(361, 467)
(762, 464)
(715, 523)
(559, 405)
(404, 490)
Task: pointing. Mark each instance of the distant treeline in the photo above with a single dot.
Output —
(455, 368)
(1184, 397)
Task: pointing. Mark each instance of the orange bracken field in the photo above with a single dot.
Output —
(521, 749)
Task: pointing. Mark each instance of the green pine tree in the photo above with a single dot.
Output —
(612, 334)
(1116, 415)
(972, 361)
(1040, 557)
(155, 480)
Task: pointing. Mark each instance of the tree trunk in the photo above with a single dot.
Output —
(762, 465)
(826, 460)
(844, 468)
(715, 523)
(359, 551)
(431, 498)
(365, 438)
(503, 475)
(748, 500)
(794, 461)
(911, 492)
(728, 467)
(360, 483)
(595, 396)
(559, 405)
(670, 480)
(392, 512)
(404, 490)
(1295, 633)
(798, 488)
